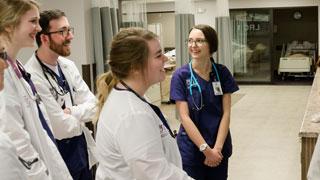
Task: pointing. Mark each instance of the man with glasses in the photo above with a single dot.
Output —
(66, 96)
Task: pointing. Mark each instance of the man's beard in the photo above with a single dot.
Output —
(59, 48)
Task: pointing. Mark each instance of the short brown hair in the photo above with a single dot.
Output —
(44, 21)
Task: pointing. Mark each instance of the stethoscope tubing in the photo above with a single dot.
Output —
(194, 82)
(62, 92)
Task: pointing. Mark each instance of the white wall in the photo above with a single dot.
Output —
(160, 7)
(270, 3)
(79, 16)
(168, 27)
(205, 12)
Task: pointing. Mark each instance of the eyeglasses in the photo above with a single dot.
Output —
(198, 42)
(63, 32)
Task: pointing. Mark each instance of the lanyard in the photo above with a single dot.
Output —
(61, 81)
(154, 108)
(15, 67)
(22, 73)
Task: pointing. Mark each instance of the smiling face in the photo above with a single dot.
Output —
(24, 34)
(155, 67)
(60, 43)
(198, 50)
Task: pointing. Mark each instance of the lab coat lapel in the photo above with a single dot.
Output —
(35, 65)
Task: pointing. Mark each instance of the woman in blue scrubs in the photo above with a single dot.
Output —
(202, 91)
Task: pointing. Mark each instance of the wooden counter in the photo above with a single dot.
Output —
(309, 130)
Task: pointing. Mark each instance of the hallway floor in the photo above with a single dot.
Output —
(265, 123)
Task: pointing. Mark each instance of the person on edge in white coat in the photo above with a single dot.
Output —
(22, 115)
(134, 140)
(67, 98)
(10, 166)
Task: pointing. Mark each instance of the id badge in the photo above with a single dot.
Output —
(217, 88)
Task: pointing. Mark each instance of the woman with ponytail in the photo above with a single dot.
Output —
(134, 140)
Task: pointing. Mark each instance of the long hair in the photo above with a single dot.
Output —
(129, 51)
(11, 12)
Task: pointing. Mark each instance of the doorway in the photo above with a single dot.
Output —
(261, 37)
(295, 37)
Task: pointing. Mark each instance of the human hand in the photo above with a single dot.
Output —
(67, 110)
(213, 157)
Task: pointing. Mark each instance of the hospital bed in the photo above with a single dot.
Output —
(297, 59)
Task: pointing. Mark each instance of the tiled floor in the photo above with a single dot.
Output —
(265, 123)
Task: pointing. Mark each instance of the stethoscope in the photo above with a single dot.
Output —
(62, 90)
(194, 82)
(22, 73)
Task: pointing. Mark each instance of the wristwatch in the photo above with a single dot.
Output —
(203, 147)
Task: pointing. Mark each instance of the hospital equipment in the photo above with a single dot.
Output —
(297, 59)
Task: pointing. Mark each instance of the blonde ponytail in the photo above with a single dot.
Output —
(105, 82)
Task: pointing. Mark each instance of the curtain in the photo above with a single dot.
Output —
(223, 28)
(105, 23)
(133, 13)
(157, 29)
(184, 21)
(239, 41)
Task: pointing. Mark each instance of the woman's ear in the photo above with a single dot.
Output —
(9, 29)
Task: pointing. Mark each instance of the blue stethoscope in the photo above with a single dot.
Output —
(194, 82)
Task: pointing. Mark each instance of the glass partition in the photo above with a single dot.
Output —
(251, 43)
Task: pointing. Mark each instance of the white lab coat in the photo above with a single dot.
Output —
(67, 125)
(10, 166)
(314, 167)
(19, 119)
(133, 144)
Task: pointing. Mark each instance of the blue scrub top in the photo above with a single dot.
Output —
(208, 118)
